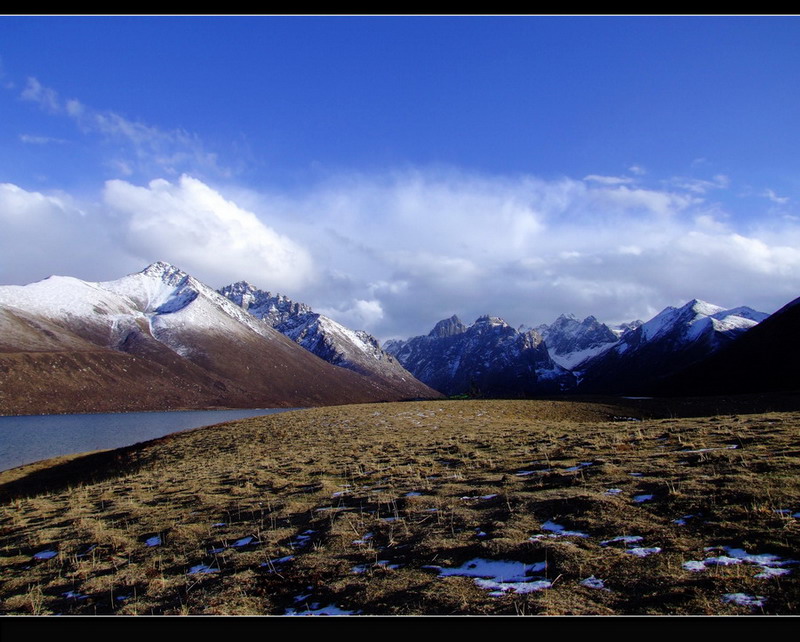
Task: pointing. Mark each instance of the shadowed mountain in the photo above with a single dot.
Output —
(763, 359)
(665, 345)
(488, 359)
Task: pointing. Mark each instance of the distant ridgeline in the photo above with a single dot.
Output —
(160, 339)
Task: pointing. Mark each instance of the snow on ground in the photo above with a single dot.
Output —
(499, 576)
(594, 582)
(45, 555)
(202, 568)
(316, 609)
(639, 551)
(770, 565)
(625, 539)
(557, 530)
(153, 541)
(743, 599)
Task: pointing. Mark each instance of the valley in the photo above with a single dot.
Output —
(590, 506)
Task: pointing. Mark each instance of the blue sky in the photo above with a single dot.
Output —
(391, 171)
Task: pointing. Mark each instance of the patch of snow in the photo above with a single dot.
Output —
(499, 576)
(582, 464)
(681, 521)
(770, 571)
(771, 565)
(239, 543)
(74, 595)
(387, 564)
(571, 360)
(364, 539)
(625, 539)
(639, 551)
(594, 583)
(557, 530)
(45, 555)
(280, 560)
(499, 588)
(613, 491)
(153, 541)
(316, 609)
(643, 498)
(202, 568)
(743, 599)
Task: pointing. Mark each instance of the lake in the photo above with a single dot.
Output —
(26, 439)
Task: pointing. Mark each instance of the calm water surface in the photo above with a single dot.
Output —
(27, 439)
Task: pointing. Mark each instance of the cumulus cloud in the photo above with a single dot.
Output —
(46, 234)
(428, 245)
(194, 226)
(393, 253)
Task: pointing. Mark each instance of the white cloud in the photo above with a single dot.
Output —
(147, 149)
(394, 253)
(47, 98)
(701, 186)
(528, 249)
(190, 224)
(44, 234)
(41, 140)
(608, 180)
(780, 200)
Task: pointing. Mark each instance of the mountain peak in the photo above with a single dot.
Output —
(164, 271)
(448, 327)
(701, 307)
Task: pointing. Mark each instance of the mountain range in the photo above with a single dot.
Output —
(161, 339)
(155, 340)
(570, 355)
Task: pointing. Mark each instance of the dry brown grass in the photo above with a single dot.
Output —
(366, 498)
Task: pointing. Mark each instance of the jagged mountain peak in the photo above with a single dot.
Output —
(165, 271)
(448, 327)
(489, 320)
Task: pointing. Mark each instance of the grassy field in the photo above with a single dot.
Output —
(443, 507)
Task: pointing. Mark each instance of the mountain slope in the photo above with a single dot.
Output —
(488, 358)
(763, 359)
(190, 346)
(329, 340)
(570, 342)
(669, 342)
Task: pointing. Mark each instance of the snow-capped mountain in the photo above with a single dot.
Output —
(358, 351)
(488, 358)
(183, 343)
(624, 328)
(762, 359)
(670, 341)
(570, 342)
